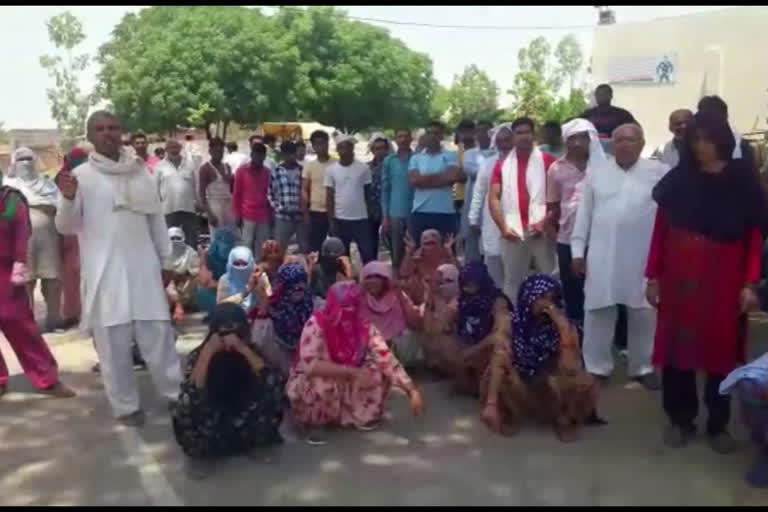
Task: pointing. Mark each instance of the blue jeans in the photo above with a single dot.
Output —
(358, 231)
(445, 223)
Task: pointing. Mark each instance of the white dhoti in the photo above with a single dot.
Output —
(157, 346)
(599, 327)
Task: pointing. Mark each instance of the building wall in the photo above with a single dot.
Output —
(720, 52)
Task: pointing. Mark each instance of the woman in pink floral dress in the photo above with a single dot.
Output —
(344, 369)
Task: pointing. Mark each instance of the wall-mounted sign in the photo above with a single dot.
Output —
(661, 69)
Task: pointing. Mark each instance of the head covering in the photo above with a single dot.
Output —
(379, 136)
(535, 342)
(579, 125)
(384, 312)
(134, 189)
(476, 311)
(344, 329)
(24, 176)
(332, 247)
(722, 206)
(344, 137)
(289, 315)
(183, 257)
(218, 252)
(495, 131)
(237, 278)
(9, 201)
(230, 377)
(430, 235)
(449, 273)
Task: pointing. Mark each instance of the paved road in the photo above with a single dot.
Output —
(70, 452)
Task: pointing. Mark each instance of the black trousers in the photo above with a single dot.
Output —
(318, 230)
(375, 226)
(573, 285)
(681, 401)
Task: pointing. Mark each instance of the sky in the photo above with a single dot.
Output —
(23, 102)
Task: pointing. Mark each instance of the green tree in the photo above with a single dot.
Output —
(170, 66)
(353, 75)
(69, 104)
(473, 95)
(570, 59)
(537, 85)
(441, 101)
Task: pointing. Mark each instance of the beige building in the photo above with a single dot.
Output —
(658, 66)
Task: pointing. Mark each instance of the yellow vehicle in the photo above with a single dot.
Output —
(294, 130)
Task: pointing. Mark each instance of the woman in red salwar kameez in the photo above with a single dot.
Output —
(17, 322)
(703, 267)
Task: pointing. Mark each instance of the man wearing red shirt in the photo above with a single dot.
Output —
(518, 205)
(139, 143)
(249, 200)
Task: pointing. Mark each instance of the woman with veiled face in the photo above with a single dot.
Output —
(344, 369)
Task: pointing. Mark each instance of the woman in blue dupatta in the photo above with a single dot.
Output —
(539, 370)
(484, 317)
(214, 265)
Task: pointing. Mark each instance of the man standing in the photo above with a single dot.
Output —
(235, 159)
(44, 258)
(605, 117)
(348, 191)
(249, 201)
(719, 107)
(432, 174)
(285, 199)
(177, 184)
(518, 205)
(483, 139)
(215, 190)
(140, 146)
(313, 190)
(396, 196)
(380, 148)
(470, 161)
(615, 219)
(553, 139)
(564, 185)
(669, 153)
(111, 203)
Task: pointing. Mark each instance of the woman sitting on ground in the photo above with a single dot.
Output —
(484, 318)
(214, 266)
(344, 369)
(231, 401)
(239, 282)
(440, 313)
(329, 266)
(419, 265)
(388, 309)
(180, 275)
(278, 323)
(541, 370)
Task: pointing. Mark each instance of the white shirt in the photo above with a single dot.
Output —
(615, 219)
(668, 154)
(236, 159)
(120, 253)
(177, 185)
(349, 184)
(489, 231)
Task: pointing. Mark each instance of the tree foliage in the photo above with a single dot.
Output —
(538, 83)
(168, 66)
(69, 104)
(441, 102)
(473, 95)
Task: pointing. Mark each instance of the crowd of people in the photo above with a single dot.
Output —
(513, 265)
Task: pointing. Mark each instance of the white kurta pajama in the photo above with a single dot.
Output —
(615, 220)
(123, 296)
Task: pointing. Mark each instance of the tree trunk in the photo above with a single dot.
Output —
(226, 126)
(208, 131)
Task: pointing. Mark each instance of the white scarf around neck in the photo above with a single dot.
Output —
(536, 182)
(135, 190)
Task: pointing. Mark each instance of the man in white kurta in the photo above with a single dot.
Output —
(615, 220)
(111, 204)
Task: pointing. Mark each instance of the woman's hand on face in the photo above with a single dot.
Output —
(215, 343)
(255, 278)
